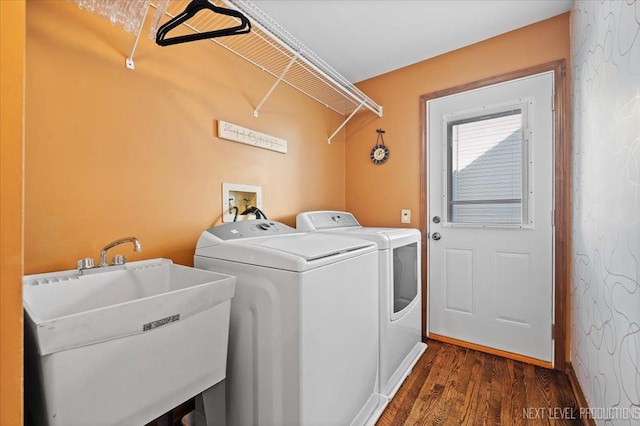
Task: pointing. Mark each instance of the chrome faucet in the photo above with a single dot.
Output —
(103, 254)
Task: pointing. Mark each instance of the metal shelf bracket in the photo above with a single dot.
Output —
(257, 109)
(345, 122)
(129, 61)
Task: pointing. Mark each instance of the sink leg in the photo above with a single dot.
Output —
(211, 406)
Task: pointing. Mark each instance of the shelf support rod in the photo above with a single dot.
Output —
(129, 61)
(345, 121)
(286, 70)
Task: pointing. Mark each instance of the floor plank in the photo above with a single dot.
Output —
(451, 385)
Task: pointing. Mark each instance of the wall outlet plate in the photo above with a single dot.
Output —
(405, 216)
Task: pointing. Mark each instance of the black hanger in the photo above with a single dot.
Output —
(192, 8)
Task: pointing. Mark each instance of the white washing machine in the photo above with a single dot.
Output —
(303, 333)
(399, 287)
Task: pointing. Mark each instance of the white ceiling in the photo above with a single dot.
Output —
(366, 38)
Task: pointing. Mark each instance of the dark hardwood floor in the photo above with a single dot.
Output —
(451, 385)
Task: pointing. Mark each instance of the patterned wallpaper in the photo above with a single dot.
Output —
(605, 336)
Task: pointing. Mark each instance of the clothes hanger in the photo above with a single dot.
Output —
(192, 8)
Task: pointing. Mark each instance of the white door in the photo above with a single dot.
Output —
(490, 183)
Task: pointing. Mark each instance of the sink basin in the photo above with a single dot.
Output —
(68, 310)
(123, 346)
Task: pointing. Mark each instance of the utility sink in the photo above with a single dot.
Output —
(123, 346)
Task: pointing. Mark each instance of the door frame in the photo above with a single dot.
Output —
(562, 194)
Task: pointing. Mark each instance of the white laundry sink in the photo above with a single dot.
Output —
(123, 346)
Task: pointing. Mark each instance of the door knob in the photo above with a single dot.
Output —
(436, 236)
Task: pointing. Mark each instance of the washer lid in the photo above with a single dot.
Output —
(292, 252)
(313, 246)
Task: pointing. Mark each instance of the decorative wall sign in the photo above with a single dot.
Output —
(246, 136)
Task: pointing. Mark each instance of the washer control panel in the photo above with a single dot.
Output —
(250, 229)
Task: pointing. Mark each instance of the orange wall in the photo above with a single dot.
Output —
(377, 193)
(112, 152)
(12, 42)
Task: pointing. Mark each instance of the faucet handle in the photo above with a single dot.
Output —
(86, 263)
(118, 259)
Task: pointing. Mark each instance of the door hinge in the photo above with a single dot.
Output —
(553, 217)
(553, 332)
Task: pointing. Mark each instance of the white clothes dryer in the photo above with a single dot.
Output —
(303, 332)
(399, 288)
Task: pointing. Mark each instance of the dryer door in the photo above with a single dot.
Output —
(406, 281)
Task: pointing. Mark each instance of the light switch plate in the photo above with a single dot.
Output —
(406, 216)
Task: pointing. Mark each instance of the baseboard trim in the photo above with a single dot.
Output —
(491, 351)
(578, 394)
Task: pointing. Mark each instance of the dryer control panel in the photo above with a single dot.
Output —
(314, 221)
(250, 229)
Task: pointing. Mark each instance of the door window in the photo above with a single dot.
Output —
(487, 167)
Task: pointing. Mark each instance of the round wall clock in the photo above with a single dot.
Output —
(380, 152)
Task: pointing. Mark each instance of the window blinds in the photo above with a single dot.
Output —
(486, 172)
